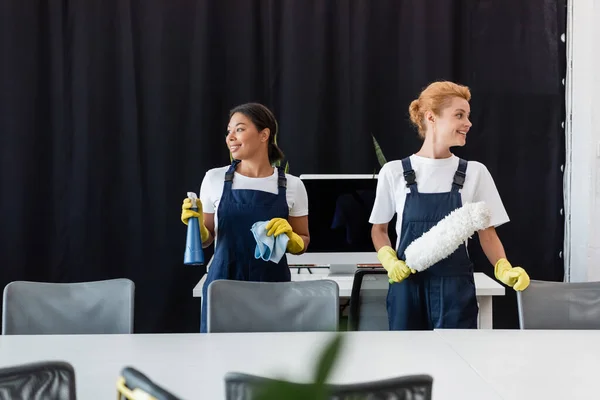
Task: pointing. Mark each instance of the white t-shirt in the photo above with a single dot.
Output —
(211, 190)
(433, 176)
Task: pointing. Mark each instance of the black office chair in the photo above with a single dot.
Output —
(368, 300)
(134, 385)
(51, 380)
(240, 386)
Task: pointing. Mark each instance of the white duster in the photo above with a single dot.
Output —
(447, 235)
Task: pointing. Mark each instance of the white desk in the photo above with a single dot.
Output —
(344, 265)
(532, 364)
(193, 365)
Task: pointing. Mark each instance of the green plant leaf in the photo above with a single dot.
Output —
(318, 390)
(277, 390)
(378, 152)
(278, 164)
(327, 360)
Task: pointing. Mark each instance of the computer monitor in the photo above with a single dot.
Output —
(339, 207)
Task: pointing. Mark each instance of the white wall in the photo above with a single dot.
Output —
(582, 179)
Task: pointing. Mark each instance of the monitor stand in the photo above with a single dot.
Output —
(342, 269)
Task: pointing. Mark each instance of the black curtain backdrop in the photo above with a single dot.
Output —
(110, 111)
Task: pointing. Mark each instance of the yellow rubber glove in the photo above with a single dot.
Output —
(277, 226)
(187, 213)
(397, 269)
(515, 277)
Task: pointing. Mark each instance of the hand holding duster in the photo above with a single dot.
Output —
(446, 236)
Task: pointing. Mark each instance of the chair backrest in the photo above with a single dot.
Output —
(41, 380)
(37, 308)
(368, 300)
(240, 306)
(134, 385)
(559, 305)
(240, 386)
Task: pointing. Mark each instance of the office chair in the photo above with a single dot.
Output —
(38, 308)
(240, 386)
(134, 385)
(54, 380)
(241, 306)
(559, 305)
(368, 300)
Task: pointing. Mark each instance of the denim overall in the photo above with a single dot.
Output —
(234, 250)
(442, 296)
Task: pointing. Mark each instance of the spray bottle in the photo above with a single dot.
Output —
(193, 246)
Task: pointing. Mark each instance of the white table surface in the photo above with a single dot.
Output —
(532, 364)
(193, 365)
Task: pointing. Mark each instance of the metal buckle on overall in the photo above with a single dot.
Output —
(459, 178)
(410, 177)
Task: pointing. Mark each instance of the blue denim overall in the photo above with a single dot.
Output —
(442, 296)
(234, 258)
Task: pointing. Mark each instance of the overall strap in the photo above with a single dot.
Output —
(230, 172)
(409, 175)
(281, 179)
(459, 175)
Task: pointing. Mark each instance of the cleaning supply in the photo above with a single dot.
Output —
(194, 255)
(193, 209)
(277, 226)
(268, 247)
(446, 236)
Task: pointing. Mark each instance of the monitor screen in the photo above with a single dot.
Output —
(339, 208)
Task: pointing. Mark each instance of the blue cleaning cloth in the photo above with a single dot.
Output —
(269, 248)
